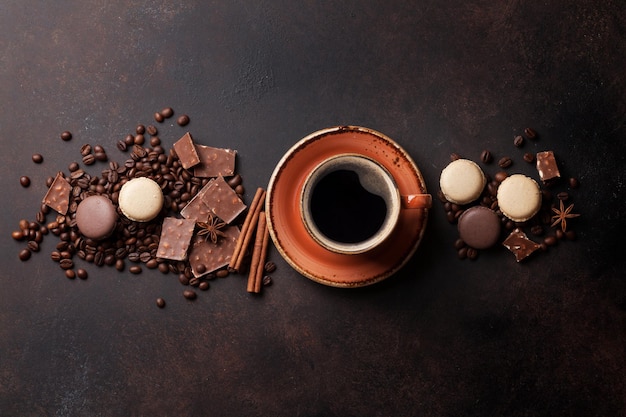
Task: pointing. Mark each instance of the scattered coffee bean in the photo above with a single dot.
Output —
(203, 286)
(239, 189)
(120, 264)
(17, 235)
(152, 130)
(222, 273)
(269, 267)
(505, 162)
(182, 278)
(563, 196)
(167, 112)
(529, 157)
(135, 269)
(518, 141)
(462, 253)
(500, 176)
(160, 302)
(89, 159)
(140, 129)
(486, 157)
(66, 136)
(183, 120)
(24, 181)
(536, 230)
(85, 149)
(570, 235)
(159, 117)
(550, 240)
(267, 281)
(33, 246)
(66, 263)
(24, 254)
(37, 158)
(73, 167)
(121, 145)
(70, 274)
(530, 133)
(472, 253)
(573, 182)
(189, 294)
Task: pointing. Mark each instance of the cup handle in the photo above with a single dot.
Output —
(417, 201)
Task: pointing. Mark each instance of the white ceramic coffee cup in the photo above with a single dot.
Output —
(375, 179)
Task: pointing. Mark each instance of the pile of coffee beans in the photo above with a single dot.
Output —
(133, 245)
(538, 226)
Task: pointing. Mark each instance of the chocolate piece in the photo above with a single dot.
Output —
(215, 162)
(58, 195)
(96, 217)
(206, 256)
(186, 151)
(479, 227)
(176, 236)
(218, 198)
(547, 167)
(520, 245)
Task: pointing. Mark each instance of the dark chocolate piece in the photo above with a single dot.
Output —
(206, 256)
(186, 151)
(519, 244)
(58, 195)
(175, 238)
(216, 198)
(215, 162)
(547, 167)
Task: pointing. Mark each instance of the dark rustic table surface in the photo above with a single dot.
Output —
(443, 337)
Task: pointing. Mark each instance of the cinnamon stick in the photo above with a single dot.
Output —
(247, 229)
(258, 278)
(257, 252)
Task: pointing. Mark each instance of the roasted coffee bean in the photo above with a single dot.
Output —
(167, 112)
(121, 145)
(82, 273)
(17, 235)
(234, 181)
(24, 181)
(55, 256)
(222, 273)
(158, 117)
(155, 141)
(203, 286)
(454, 156)
(530, 133)
(559, 234)
(37, 158)
(135, 269)
(462, 253)
(164, 268)
(73, 167)
(486, 157)
(570, 235)
(550, 240)
(24, 254)
(267, 281)
(100, 156)
(152, 264)
(140, 129)
(33, 246)
(563, 196)
(183, 120)
(269, 267)
(70, 274)
(66, 263)
(182, 278)
(66, 136)
(573, 183)
(160, 302)
(119, 264)
(239, 189)
(518, 141)
(145, 257)
(194, 282)
(190, 294)
(505, 162)
(85, 149)
(152, 130)
(89, 159)
(536, 230)
(133, 257)
(139, 140)
(529, 157)
(200, 269)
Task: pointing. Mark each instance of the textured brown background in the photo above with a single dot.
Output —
(441, 338)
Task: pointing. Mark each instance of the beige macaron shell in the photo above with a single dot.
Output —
(519, 197)
(141, 199)
(462, 181)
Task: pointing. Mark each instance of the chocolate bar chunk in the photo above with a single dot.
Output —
(175, 238)
(186, 151)
(58, 195)
(547, 167)
(215, 162)
(216, 198)
(519, 244)
(212, 256)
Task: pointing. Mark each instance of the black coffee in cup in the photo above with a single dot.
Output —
(343, 210)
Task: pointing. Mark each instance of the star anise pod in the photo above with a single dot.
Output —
(211, 228)
(562, 214)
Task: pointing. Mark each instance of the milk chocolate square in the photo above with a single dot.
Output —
(175, 238)
(186, 151)
(547, 167)
(212, 255)
(217, 198)
(58, 195)
(519, 244)
(215, 162)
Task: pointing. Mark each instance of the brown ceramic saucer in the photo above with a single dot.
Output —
(289, 233)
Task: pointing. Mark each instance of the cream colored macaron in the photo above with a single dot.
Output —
(519, 197)
(141, 199)
(462, 181)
